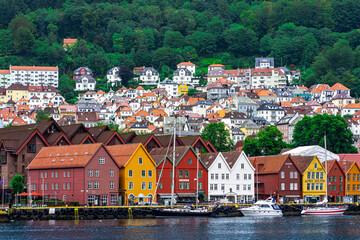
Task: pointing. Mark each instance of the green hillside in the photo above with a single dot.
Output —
(319, 37)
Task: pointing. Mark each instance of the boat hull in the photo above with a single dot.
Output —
(324, 212)
(252, 212)
(181, 213)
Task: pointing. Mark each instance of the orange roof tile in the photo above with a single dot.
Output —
(122, 153)
(216, 65)
(64, 156)
(266, 93)
(298, 99)
(34, 68)
(186, 64)
(286, 104)
(353, 105)
(339, 86)
(4, 71)
(18, 121)
(70, 40)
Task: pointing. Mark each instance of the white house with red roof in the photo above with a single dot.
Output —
(350, 109)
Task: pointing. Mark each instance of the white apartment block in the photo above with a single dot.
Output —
(34, 76)
(267, 78)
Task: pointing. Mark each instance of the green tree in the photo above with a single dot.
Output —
(41, 115)
(23, 40)
(17, 186)
(269, 142)
(241, 41)
(310, 50)
(174, 39)
(265, 44)
(311, 130)
(251, 147)
(166, 56)
(203, 42)
(6, 42)
(219, 137)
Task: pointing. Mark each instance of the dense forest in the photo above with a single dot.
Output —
(319, 37)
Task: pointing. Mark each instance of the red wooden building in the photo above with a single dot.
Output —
(185, 177)
(277, 176)
(336, 181)
(84, 173)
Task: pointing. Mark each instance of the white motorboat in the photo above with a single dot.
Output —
(266, 207)
(323, 211)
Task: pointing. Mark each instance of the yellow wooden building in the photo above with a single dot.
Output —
(137, 173)
(313, 177)
(352, 184)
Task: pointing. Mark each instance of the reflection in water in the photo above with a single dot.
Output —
(309, 227)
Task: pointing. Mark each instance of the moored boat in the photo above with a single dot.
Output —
(186, 211)
(266, 207)
(323, 211)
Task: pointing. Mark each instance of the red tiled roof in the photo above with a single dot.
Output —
(70, 40)
(122, 153)
(64, 156)
(186, 64)
(34, 68)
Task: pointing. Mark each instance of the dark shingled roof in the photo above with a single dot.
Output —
(231, 157)
(15, 139)
(271, 164)
(302, 162)
(179, 152)
(208, 158)
(95, 132)
(70, 130)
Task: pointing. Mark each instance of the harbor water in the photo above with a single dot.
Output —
(304, 227)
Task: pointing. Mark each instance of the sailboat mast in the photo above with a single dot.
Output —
(173, 169)
(326, 170)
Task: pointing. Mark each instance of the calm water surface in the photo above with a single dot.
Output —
(307, 227)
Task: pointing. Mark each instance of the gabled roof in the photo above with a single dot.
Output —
(145, 139)
(179, 153)
(270, 164)
(106, 136)
(339, 86)
(167, 140)
(347, 165)
(209, 158)
(16, 140)
(70, 156)
(96, 131)
(123, 153)
(192, 141)
(71, 130)
(302, 162)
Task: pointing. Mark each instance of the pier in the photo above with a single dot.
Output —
(138, 212)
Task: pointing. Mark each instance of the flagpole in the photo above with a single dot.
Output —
(3, 183)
